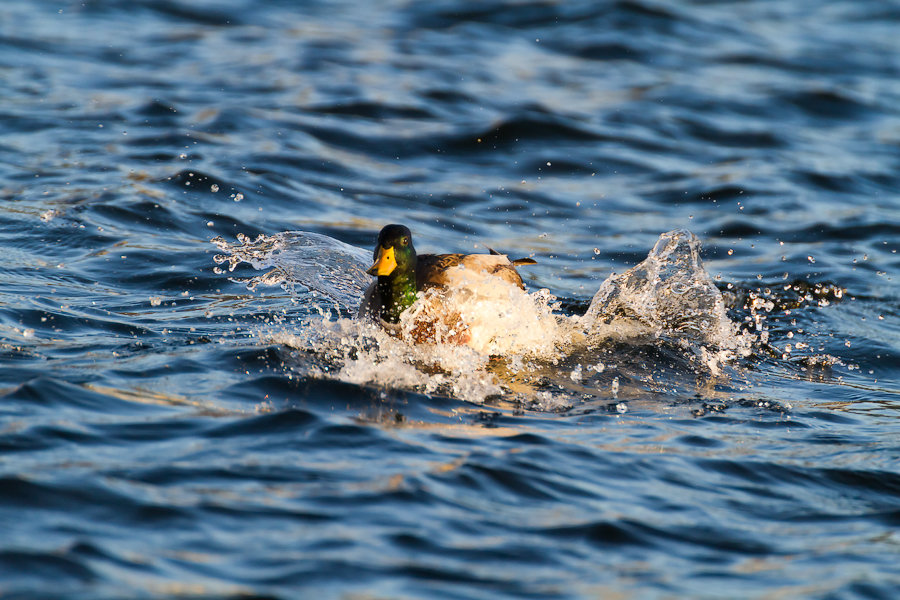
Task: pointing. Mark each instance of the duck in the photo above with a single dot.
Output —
(403, 276)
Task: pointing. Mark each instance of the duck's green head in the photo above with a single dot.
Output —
(395, 266)
(394, 253)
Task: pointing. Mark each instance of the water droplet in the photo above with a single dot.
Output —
(575, 375)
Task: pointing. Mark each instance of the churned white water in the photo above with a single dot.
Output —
(498, 336)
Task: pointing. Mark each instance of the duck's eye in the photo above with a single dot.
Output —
(404, 241)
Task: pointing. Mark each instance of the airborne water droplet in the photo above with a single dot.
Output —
(575, 375)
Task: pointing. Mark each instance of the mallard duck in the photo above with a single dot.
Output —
(402, 274)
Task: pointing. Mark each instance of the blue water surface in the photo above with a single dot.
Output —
(157, 441)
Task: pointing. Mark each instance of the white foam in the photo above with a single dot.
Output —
(365, 354)
(488, 315)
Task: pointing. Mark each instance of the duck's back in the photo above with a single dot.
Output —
(452, 270)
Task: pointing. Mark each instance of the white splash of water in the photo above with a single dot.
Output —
(490, 316)
(311, 260)
(668, 295)
(365, 354)
(448, 341)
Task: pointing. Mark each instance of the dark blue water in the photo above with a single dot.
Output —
(159, 438)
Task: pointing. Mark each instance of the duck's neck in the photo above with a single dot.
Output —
(397, 292)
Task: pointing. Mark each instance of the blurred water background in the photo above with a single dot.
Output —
(167, 432)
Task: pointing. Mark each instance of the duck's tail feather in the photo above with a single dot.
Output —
(518, 262)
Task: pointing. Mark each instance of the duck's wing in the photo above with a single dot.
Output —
(448, 270)
(431, 269)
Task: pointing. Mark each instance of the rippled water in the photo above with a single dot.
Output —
(168, 432)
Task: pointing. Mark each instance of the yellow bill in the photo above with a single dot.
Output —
(385, 263)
